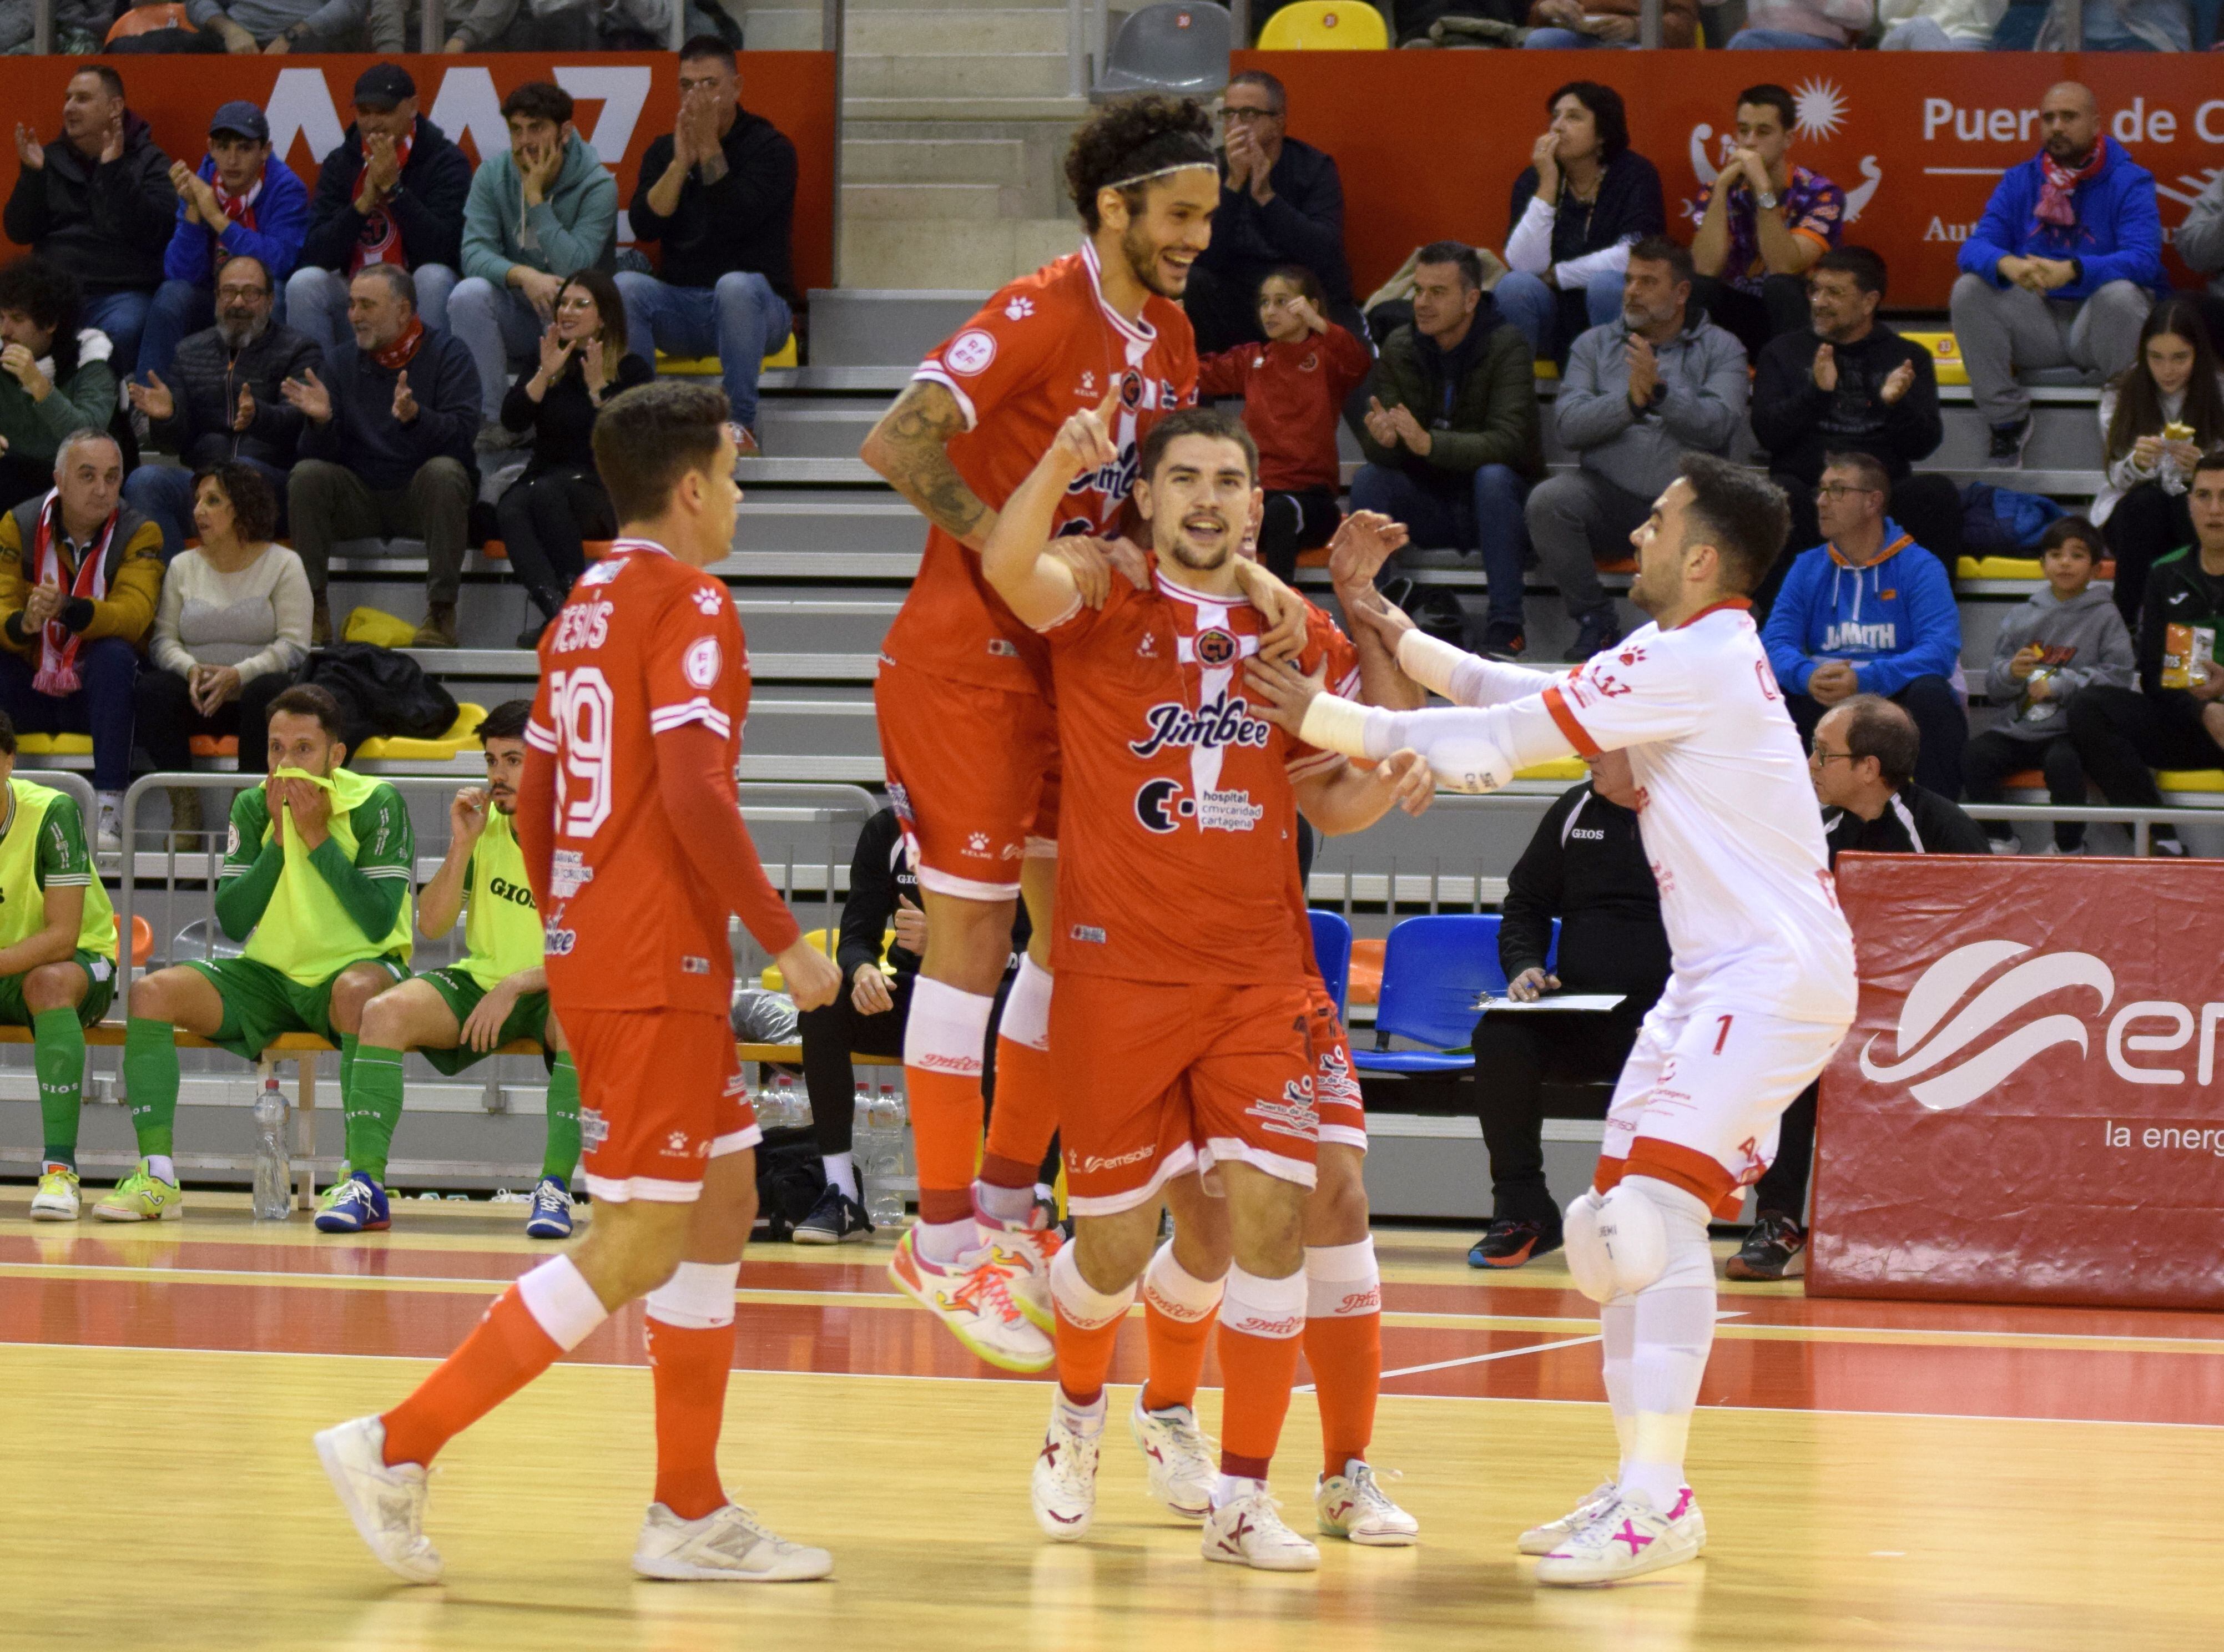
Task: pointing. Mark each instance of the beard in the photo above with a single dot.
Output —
(238, 334)
(1179, 550)
(1142, 259)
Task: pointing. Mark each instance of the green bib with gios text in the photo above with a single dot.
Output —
(306, 934)
(501, 934)
(22, 907)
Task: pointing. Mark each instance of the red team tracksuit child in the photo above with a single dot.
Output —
(972, 752)
(641, 972)
(1293, 391)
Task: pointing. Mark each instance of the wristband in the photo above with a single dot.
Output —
(1429, 661)
(1334, 724)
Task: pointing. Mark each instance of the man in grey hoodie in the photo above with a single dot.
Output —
(546, 210)
(1639, 395)
(2066, 639)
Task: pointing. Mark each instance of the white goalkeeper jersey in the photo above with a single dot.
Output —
(1725, 807)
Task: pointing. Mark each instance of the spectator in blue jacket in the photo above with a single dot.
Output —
(1869, 611)
(243, 200)
(2063, 268)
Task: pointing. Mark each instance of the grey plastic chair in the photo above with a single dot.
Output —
(1180, 45)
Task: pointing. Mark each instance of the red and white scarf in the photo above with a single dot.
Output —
(240, 209)
(57, 644)
(2054, 204)
(379, 241)
(399, 354)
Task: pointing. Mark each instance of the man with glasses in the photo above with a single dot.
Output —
(1862, 761)
(1281, 202)
(221, 400)
(1871, 612)
(1846, 382)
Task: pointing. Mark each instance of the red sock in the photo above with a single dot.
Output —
(1346, 1355)
(691, 1367)
(1024, 1117)
(1177, 1356)
(1259, 1322)
(945, 1127)
(505, 1350)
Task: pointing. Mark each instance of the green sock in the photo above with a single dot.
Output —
(372, 1101)
(348, 1046)
(58, 1053)
(150, 1082)
(562, 1156)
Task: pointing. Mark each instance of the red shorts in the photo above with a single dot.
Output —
(1165, 1078)
(973, 774)
(661, 1095)
(1336, 1084)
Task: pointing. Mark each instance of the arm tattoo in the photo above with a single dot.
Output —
(911, 436)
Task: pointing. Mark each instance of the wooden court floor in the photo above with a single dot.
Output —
(1874, 1475)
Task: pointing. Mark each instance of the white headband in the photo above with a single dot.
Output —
(1166, 171)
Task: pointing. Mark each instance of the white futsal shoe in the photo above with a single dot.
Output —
(387, 1504)
(1063, 1488)
(1025, 1251)
(1629, 1540)
(1353, 1505)
(1179, 1456)
(973, 1298)
(1249, 1531)
(1543, 1540)
(728, 1545)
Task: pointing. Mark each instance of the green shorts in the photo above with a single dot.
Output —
(261, 1004)
(99, 993)
(529, 1018)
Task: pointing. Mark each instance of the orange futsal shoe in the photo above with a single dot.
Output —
(973, 1298)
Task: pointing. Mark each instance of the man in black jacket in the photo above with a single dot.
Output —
(1849, 383)
(1862, 763)
(388, 447)
(223, 400)
(1281, 202)
(1587, 868)
(393, 192)
(98, 203)
(719, 194)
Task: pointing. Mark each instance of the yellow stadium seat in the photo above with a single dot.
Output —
(706, 367)
(1548, 370)
(1326, 26)
(2190, 779)
(54, 745)
(462, 736)
(1945, 354)
(1560, 768)
(1998, 567)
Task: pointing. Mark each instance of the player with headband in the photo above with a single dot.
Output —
(1762, 991)
(967, 735)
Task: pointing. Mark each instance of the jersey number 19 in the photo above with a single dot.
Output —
(582, 706)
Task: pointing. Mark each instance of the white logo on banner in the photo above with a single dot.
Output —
(1928, 1040)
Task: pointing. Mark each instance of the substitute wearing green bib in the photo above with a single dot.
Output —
(316, 884)
(495, 994)
(57, 962)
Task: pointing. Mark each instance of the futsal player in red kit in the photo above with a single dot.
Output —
(1182, 1023)
(634, 842)
(968, 738)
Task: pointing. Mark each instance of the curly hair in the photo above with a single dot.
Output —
(1124, 143)
(46, 292)
(254, 505)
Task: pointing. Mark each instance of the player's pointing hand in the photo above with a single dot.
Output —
(1085, 438)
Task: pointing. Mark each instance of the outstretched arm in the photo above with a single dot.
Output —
(1366, 540)
(1349, 798)
(1017, 557)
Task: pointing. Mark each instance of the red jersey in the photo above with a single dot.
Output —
(1177, 850)
(1044, 348)
(1293, 396)
(646, 644)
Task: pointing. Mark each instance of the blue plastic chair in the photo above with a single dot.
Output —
(1178, 45)
(1332, 951)
(1433, 970)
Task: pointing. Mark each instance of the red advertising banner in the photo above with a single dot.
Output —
(1916, 139)
(2026, 1108)
(625, 99)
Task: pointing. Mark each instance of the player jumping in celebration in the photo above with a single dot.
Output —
(1763, 986)
(633, 844)
(1182, 1025)
(498, 993)
(971, 742)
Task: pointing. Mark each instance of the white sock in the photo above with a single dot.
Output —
(1228, 1487)
(1005, 1204)
(562, 1302)
(1080, 1304)
(699, 1296)
(944, 1243)
(1673, 1330)
(159, 1167)
(1177, 1293)
(1087, 1421)
(1342, 1281)
(1618, 1332)
(841, 1172)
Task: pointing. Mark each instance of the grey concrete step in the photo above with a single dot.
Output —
(946, 161)
(968, 203)
(978, 31)
(890, 330)
(980, 80)
(802, 430)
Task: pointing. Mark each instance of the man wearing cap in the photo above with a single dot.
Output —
(245, 200)
(393, 192)
(282, 25)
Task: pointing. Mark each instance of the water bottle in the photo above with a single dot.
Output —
(274, 1168)
(884, 1173)
(801, 1101)
(787, 1102)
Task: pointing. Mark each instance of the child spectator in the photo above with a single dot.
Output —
(2063, 639)
(2158, 416)
(1293, 386)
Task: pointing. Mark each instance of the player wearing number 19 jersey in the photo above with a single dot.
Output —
(635, 850)
(1763, 986)
(967, 733)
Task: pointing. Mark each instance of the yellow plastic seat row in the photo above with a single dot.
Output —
(706, 367)
(1945, 355)
(2019, 568)
(462, 736)
(1326, 26)
(54, 745)
(2190, 779)
(1560, 768)
(827, 941)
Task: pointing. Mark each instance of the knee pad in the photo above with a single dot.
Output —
(1617, 1242)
